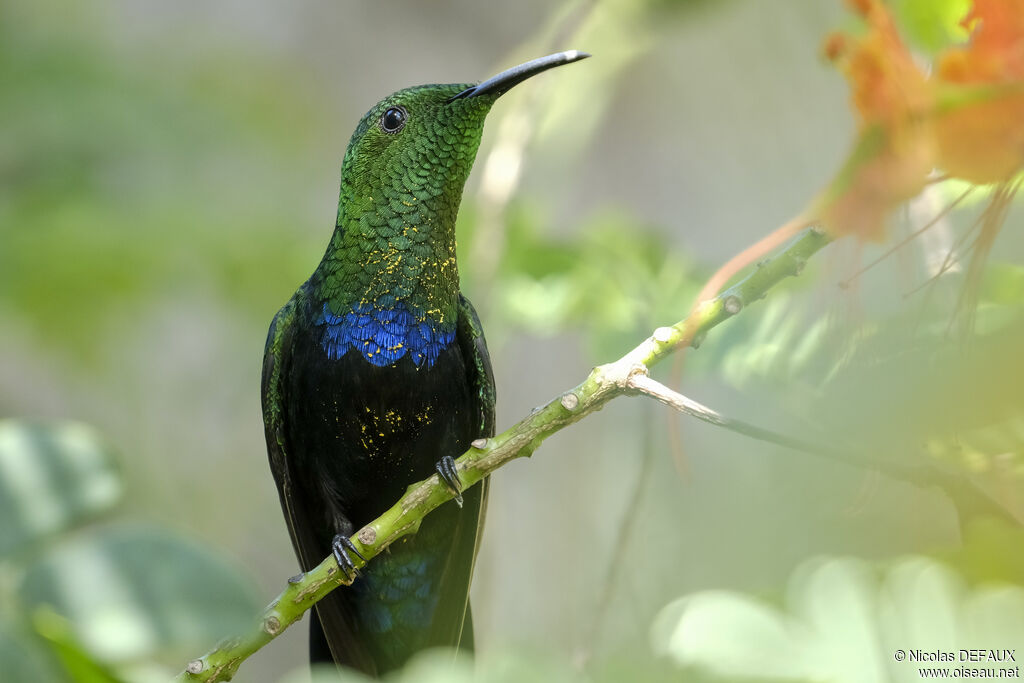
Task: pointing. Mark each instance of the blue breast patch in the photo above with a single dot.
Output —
(384, 335)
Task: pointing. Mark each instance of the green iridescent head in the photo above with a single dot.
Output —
(420, 143)
(401, 184)
(417, 145)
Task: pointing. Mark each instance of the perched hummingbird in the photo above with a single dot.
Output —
(376, 374)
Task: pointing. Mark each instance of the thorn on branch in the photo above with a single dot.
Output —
(479, 444)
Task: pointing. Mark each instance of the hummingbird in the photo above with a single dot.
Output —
(376, 374)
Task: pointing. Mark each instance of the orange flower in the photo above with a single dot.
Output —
(895, 152)
(983, 140)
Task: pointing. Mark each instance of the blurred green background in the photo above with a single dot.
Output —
(168, 176)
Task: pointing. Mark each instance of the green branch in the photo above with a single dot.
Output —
(626, 376)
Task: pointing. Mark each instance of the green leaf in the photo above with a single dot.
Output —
(932, 24)
(732, 635)
(131, 592)
(24, 658)
(79, 665)
(52, 476)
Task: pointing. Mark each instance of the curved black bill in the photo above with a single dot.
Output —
(506, 80)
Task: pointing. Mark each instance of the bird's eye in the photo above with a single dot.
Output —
(393, 120)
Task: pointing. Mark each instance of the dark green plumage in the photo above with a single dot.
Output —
(376, 373)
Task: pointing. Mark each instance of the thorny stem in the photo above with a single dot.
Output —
(626, 376)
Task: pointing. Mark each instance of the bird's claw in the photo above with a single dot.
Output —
(449, 474)
(341, 546)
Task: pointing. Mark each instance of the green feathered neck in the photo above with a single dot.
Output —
(394, 244)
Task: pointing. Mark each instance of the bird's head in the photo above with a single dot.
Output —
(415, 148)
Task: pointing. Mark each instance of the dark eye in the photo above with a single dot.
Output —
(393, 120)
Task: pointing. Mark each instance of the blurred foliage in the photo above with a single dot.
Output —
(79, 665)
(961, 402)
(621, 32)
(929, 25)
(842, 620)
(184, 172)
(443, 666)
(932, 25)
(610, 279)
(95, 176)
(505, 665)
(24, 656)
(83, 603)
(52, 477)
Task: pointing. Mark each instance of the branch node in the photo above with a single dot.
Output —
(798, 266)
(570, 401)
(479, 444)
(296, 579)
(663, 335)
(698, 339)
(367, 535)
(637, 370)
(195, 667)
(733, 304)
(272, 625)
(818, 230)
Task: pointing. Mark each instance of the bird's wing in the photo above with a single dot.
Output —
(332, 611)
(470, 335)
(470, 524)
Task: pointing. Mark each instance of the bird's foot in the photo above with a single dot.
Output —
(449, 474)
(341, 546)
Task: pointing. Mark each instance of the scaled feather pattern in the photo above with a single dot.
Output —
(384, 335)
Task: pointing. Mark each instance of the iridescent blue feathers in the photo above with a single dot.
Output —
(384, 335)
